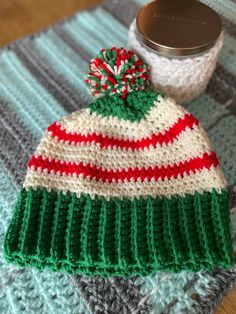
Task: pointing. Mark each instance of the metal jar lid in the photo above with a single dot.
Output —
(178, 27)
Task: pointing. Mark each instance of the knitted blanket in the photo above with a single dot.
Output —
(42, 79)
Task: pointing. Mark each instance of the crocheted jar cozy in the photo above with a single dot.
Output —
(181, 78)
(127, 186)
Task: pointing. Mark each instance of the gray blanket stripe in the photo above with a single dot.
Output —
(225, 281)
(129, 293)
(16, 144)
(226, 76)
(217, 121)
(222, 92)
(55, 84)
(70, 42)
(109, 296)
(124, 12)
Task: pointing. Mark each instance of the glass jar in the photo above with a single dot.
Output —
(181, 41)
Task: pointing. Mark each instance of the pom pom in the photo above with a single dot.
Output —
(117, 71)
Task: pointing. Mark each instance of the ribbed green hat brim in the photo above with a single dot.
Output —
(119, 237)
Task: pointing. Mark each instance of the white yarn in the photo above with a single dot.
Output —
(190, 142)
(181, 78)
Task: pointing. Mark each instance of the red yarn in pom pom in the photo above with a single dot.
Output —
(117, 71)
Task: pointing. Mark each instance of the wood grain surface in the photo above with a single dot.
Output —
(19, 18)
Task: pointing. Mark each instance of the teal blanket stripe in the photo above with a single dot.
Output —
(41, 80)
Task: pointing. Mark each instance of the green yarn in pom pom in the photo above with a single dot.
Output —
(117, 71)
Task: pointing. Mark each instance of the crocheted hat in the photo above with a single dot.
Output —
(127, 186)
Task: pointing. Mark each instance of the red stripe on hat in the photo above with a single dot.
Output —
(168, 136)
(92, 171)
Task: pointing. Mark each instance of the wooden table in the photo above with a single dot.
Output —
(19, 18)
